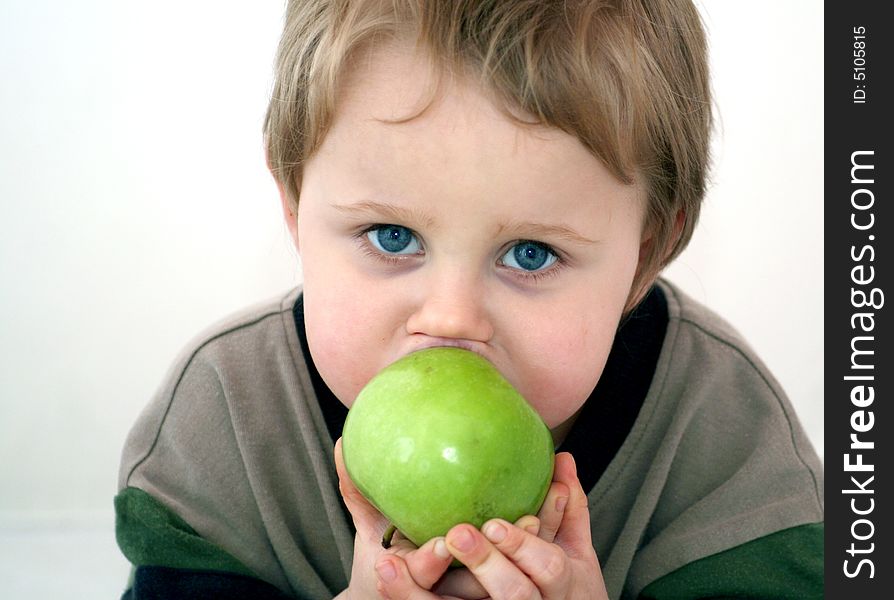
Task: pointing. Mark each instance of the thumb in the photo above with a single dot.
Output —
(574, 531)
(368, 521)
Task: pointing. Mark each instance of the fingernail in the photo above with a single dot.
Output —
(462, 540)
(440, 549)
(533, 528)
(561, 503)
(494, 531)
(386, 571)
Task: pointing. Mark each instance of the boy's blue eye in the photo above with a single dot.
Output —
(393, 239)
(529, 256)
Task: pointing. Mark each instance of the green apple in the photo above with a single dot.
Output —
(439, 438)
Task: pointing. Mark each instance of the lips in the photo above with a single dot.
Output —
(431, 342)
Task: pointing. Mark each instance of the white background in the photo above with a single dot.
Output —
(136, 210)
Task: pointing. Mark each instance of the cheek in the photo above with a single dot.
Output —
(341, 332)
(560, 352)
(561, 375)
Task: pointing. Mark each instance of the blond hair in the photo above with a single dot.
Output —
(628, 78)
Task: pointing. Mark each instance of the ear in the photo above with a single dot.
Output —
(289, 211)
(646, 273)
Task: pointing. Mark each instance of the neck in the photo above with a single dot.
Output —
(560, 431)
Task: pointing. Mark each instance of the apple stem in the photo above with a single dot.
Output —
(389, 533)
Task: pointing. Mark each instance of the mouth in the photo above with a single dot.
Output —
(448, 343)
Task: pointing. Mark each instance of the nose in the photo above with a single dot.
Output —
(452, 307)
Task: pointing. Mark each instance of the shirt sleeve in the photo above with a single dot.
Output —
(172, 561)
(227, 445)
(156, 583)
(785, 564)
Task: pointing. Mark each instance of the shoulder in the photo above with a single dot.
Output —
(717, 456)
(706, 364)
(231, 437)
(696, 328)
(240, 343)
(724, 403)
(226, 365)
(226, 341)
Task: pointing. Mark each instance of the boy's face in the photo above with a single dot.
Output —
(461, 228)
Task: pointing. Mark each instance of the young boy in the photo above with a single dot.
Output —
(507, 177)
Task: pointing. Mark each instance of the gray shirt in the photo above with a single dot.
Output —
(235, 443)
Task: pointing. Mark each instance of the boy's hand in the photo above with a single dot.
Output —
(457, 583)
(462, 584)
(510, 562)
(424, 566)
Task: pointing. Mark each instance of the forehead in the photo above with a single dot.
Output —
(395, 85)
(398, 119)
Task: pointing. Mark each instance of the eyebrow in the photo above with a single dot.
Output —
(520, 230)
(397, 214)
(537, 231)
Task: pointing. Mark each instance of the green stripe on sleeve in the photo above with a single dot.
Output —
(151, 535)
(785, 564)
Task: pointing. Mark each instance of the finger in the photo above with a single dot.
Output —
(552, 510)
(400, 542)
(368, 521)
(396, 583)
(426, 564)
(574, 532)
(460, 583)
(545, 563)
(529, 523)
(497, 574)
